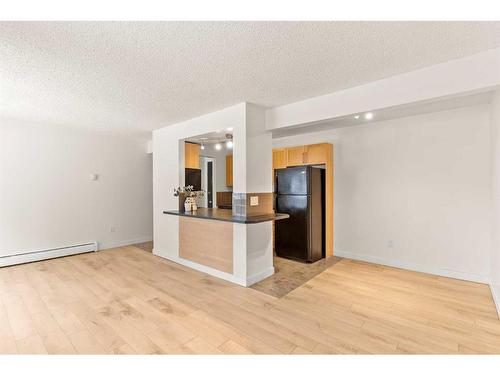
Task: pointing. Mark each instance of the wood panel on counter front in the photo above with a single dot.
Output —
(208, 242)
(320, 153)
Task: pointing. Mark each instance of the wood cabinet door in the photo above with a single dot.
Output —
(279, 158)
(191, 155)
(295, 155)
(229, 170)
(316, 154)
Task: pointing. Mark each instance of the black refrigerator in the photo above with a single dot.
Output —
(300, 192)
(193, 178)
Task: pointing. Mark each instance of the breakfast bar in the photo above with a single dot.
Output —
(227, 215)
(217, 239)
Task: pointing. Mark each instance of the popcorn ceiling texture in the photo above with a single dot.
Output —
(131, 77)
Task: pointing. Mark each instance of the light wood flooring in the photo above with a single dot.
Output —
(127, 300)
(146, 246)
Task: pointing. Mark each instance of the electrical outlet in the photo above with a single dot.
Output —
(390, 243)
(254, 201)
(112, 229)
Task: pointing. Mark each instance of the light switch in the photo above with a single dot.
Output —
(254, 201)
(93, 177)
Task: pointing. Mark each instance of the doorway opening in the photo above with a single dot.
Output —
(208, 182)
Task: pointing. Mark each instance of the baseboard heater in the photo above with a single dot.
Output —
(33, 256)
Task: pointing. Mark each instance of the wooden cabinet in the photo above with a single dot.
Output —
(279, 158)
(191, 155)
(229, 170)
(295, 156)
(302, 155)
(316, 154)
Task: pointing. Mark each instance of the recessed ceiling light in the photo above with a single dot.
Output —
(229, 144)
(368, 116)
(218, 146)
(356, 117)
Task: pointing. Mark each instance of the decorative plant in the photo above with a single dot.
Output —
(188, 192)
(197, 194)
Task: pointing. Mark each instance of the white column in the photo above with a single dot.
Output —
(259, 161)
(259, 154)
(252, 173)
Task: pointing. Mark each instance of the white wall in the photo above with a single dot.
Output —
(259, 161)
(46, 196)
(495, 189)
(422, 182)
(168, 162)
(220, 165)
(252, 250)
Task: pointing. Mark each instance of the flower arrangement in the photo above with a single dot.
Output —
(183, 190)
(188, 192)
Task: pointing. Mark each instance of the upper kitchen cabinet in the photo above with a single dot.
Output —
(279, 158)
(301, 155)
(191, 155)
(317, 154)
(295, 156)
(229, 170)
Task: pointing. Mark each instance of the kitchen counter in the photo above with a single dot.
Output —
(227, 215)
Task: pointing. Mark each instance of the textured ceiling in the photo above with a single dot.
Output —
(138, 76)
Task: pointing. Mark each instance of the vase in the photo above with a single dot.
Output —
(188, 204)
(182, 199)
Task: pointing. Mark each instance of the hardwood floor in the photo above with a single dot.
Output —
(128, 301)
(146, 246)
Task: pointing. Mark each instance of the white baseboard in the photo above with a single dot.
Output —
(205, 269)
(220, 274)
(112, 245)
(42, 254)
(415, 267)
(37, 255)
(495, 292)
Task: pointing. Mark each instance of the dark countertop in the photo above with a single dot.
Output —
(227, 215)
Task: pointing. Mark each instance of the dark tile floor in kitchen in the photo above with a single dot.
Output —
(288, 274)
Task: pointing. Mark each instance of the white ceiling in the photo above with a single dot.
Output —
(213, 137)
(138, 76)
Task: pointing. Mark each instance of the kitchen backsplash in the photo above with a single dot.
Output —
(242, 207)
